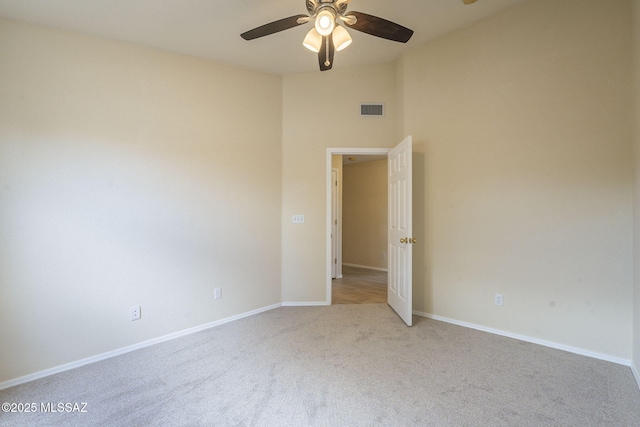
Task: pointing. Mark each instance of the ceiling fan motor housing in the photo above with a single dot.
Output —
(339, 6)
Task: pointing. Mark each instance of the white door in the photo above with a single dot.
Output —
(400, 230)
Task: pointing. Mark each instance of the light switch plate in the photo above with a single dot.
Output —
(297, 219)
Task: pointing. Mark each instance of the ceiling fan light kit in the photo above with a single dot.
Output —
(325, 21)
(313, 40)
(327, 36)
(341, 38)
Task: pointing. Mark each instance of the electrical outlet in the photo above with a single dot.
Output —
(217, 293)
(135, 312)
(498, 299)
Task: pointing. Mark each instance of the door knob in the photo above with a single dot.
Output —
(404, 240)
(414, 240)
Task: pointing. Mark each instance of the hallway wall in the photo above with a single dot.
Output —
(364, 214)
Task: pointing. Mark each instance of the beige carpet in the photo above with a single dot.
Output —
(344, 365)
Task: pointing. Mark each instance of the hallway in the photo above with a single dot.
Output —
(359, 286)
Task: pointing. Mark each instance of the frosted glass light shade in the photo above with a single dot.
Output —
(341, 38)
(325, 22)
(313, 40)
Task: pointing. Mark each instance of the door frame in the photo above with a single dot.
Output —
(328, 167)
(336, 233)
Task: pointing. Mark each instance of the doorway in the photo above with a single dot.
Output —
(360, 286)
(364, 236)
(353, 283)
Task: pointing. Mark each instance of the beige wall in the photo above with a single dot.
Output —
(364, 214)
(321, 110)
(523, 172)
(636, 305)
(129, 176)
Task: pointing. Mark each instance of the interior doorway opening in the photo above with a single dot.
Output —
(362, 281)
(360, 286)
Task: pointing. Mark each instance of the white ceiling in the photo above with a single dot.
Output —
(211, 28)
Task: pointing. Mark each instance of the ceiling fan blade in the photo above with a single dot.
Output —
(273, 27)
(380, 27)
(325, 57)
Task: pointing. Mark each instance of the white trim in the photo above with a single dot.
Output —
(306, 304)
(550, 344)
(337, 243)
(329, 165)
(366, 267)
(636, 374)
(130, 348)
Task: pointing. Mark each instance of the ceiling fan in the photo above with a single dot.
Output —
(327, 35)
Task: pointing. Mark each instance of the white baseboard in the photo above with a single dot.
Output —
(305, 304)
(550, 344)
(130, 348)
(636, 374)
(367, 267)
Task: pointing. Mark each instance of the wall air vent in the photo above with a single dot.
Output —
(371, 110)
